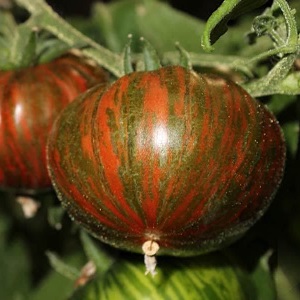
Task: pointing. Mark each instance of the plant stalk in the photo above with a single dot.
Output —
(43, 17)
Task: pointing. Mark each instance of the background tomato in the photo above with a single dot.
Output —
(30, 100)
(187, 161)
(213, 277)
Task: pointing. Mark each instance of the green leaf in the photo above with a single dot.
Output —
(63, 268)
(57, 286)
(87, 25)
(290, 85)
(102, 18)
(7, 28)
(5, 223)
(277, 81)
(257, 281)
(21, 42)
(185, 59)
(278, 103)
(151, 58)
(163, 26)
(14, 266)
(55, 215)
(286, 290)
(293, 227)
(127, 59)
(291, 25)
(96, 253)
(144, 19)
(291, 132)
(216, 25)
(287, 272)
(280, 79)
(43, 17)
(54, 286)
(263, 280)
(295, 4)
(7, 23)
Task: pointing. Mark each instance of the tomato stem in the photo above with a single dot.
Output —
(45, 18)
(150, 248)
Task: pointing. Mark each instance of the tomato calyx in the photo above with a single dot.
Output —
(24, 45)
(150, 60)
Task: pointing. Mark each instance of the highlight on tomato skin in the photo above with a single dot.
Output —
(30, 100)
(189, 161)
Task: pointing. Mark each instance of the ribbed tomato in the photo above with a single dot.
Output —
(207, 277)
(30, 100)
(187, 161)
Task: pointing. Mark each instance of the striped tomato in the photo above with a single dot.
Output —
(182, 161)
(207, 277)
(30, 99)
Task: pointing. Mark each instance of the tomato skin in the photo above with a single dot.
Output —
(189, 161)
(213, 276)
(30, 100)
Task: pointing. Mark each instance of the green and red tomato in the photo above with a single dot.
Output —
(30, 99)
(206, 277)
(187, 161)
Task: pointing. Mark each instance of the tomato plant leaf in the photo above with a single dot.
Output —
(291, 132)
(262, 273)
(14, 265)
(216, 25)
(61, 267)
(55, 215)
(25, 38)
(17, 42)
(127, 59)
(114, 21)
(277, 81)
(185, 59)
(163, 26)
(96, 253)
(278, 102)
(7, 23)
(45, 18)
(151, 58)
(7, 28)
(55, 285)
(287, 273)
(103, 19)
(281, 79)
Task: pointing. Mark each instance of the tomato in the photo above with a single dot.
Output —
(30, 100)
(186, 161)
(213, 277)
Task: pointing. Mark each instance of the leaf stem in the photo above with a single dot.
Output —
(290, 22)
(211, 61)
(280, 50)
(223, 10)
(44, 17)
